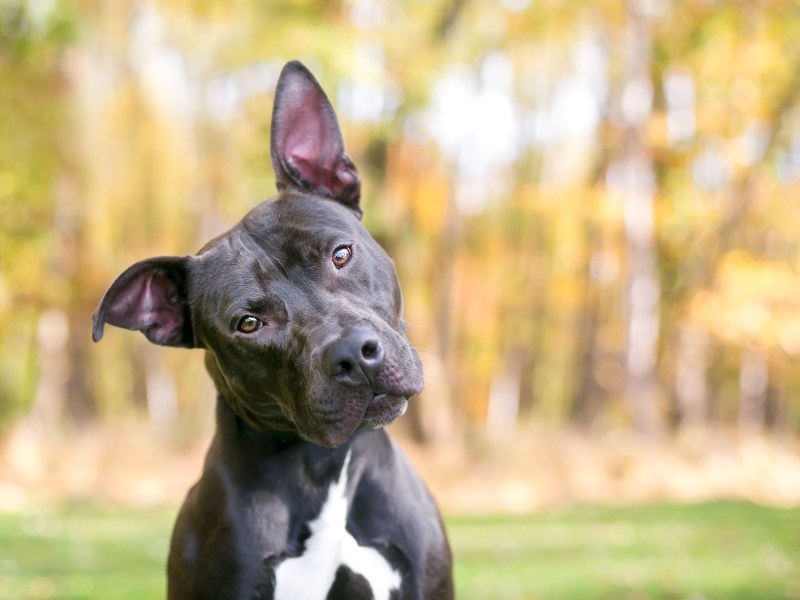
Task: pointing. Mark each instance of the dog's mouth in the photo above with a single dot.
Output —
(384, 408)
(334, 410)
(335, 429)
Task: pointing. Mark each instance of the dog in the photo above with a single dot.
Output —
(303, 495)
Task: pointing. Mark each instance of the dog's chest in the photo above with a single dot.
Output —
(333, 559)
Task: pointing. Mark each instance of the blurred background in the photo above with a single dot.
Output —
(592, 210)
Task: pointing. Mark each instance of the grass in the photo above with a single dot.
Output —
(82, 551)
(710, 551)
(725, 551)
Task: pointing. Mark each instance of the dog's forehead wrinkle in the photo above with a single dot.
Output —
(257, 265)
(295, 211)
(289, 251)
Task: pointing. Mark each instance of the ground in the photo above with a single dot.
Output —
(546, 515)
(724, 551)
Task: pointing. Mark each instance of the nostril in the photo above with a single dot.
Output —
(355, 359)
(369, 349)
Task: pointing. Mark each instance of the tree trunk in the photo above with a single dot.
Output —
(754, 384)
(81, 405)
(636, 178)
(504, 396)
(690, 386)
(584, 404)
(443, 287)
(52, 345)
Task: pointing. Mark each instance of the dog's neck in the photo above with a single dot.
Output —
(237, 435)
(275, 459)
(271, 421)
(231, 427)
(246, 432)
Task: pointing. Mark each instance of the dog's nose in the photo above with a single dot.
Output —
(355, 358)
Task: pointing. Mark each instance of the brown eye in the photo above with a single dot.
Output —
(248, 324)
(341, 256)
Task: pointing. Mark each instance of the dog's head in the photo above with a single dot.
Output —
(298, 307)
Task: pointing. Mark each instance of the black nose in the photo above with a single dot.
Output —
(355, 358)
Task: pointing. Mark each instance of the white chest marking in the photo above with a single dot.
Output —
(311, 575)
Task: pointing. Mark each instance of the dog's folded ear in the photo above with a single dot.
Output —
(307, 147)
(151, 297)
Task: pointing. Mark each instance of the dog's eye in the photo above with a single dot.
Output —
(342, 256)
(248, 324)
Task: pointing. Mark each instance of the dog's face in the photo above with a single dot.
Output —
(298, 307)
(298, 293)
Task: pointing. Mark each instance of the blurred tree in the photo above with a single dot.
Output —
(33, 208)
(587, 204)
(635, 177)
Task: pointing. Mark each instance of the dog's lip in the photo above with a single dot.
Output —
(383, 402)
(380, 396)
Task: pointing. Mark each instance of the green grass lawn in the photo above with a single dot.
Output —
(720, 551)
(727, 551)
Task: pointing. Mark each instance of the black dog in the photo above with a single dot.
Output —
(303, 496)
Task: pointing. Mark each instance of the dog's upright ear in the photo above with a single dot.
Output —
(151, 297)
(307, 147)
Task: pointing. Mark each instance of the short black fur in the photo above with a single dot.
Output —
(303, 397)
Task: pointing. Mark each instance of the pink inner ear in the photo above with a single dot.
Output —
(150, 296)
(308, 150)
(317, 175)
(346, 174)
(149, 304)
(137, 302)
(312, 147)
